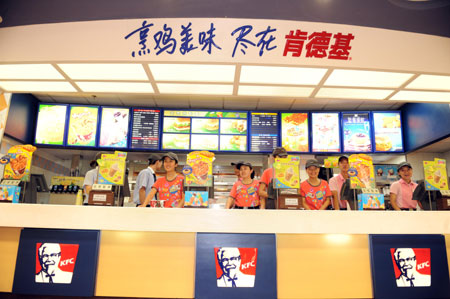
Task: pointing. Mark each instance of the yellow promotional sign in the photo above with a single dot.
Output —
(112, 169)
(67, 180)
(198, 171)
(435, 174)
(18, 162)
(331, 162)
(361, 171)
(286, 172)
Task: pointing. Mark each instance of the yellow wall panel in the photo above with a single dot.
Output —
(9, 244)
(323, 266)
(146, 264)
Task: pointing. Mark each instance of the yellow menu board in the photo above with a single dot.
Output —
(82, 126)
(435, 174)
(361, 171)
(294, 132)
(19, 164)
(198, 171)
(112, 169)
(286, 172)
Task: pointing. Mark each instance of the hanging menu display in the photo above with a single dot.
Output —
(388, 131)
(114, 127)
(294, 132)
(145, 129)
(82, 126)
(356, 132)
(51, 124)
(264, 131)
(325, 132)
(204, 130)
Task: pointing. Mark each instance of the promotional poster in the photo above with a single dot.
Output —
(5, 100)
(82, 126)
(51, 124)
(294, 132)
(325, 132)
(368, 201)
(10, 193)
(19, 165)
(286, 172)
(331, 162)
(196, 199)
(361, 171)
(114, 127)
(388, 131)
(112, 169)
(386, 173)
(357, 136)
(198, 169)
(435, 175)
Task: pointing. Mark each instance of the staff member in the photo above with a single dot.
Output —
(146, 178)
(402, 190)
(337, 182)
(237, 172)
(244, 194)
(266, 190)
(91, 176)
(315, 192)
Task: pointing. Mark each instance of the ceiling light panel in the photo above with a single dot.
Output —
(218, 89)
(277, 91)
(29, 71)
(111, 87)
(358, 78)
(281, 75)
(193, 72)
(37, 86)
(104, 71)
(430, 82)
(422, 96)
(354, 93)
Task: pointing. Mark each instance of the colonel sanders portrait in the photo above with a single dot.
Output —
(49, 255)
(229, 260)
(405, 259)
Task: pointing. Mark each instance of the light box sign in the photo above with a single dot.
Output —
(388, 131)
(51, 124)
(82, 126)
(114, 127)
(325, 132)
(356, 132)
(295, 132)
(145, 129)
(205, 130)
(263, 131)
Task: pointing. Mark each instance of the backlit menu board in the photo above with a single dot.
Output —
(145, 129)
(82, 126)
(204, 130)
(114, 127)
(388, 131)
(264, 131)
(356, 132)
(325, 132)
(294, 132)
(51, 124)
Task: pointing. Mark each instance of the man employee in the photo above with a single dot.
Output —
(337, 182)
(91, 176)
(146, 178)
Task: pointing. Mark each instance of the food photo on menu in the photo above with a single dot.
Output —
(175, 141)
(114, 127)
(388, 132)
(205, 142)
(233, 126)
(177, 125)
(294, 131)
(233, 143)
(325, 132)
(82, 126)
(51, 124)
(205, 125)
(356, 129)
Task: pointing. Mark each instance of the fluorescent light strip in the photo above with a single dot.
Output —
(29, 71)
(281, 75)
(193, 72)
(359, 78)
(245, 90)
(422, 96)
(104, 71)
(353, 93)
(212, 89)
(123, 87)
(37, 86)
(430, 82)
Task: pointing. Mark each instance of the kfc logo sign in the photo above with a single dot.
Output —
(235, 267)
(55, 262)
(412, 266)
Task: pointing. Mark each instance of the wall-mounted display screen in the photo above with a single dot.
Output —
(325, 132)
(114, 127)
(145, 129)
(264, 131)
(82, 126)
(294, 132)
(356, 132)
(203, 130)
(51, 124)
(388, 131)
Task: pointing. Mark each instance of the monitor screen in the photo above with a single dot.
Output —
(114, 127)
(145, 129)
(357, 136)
(82, 126)
(388, 131)
(51, 124)
(294, 132)
(325, 132)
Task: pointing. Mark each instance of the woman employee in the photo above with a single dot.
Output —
(402, 190)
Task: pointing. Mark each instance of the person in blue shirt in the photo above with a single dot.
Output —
(146, 178)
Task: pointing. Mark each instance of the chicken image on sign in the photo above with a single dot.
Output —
(235, 267)
(55, 262)
(412, 266)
